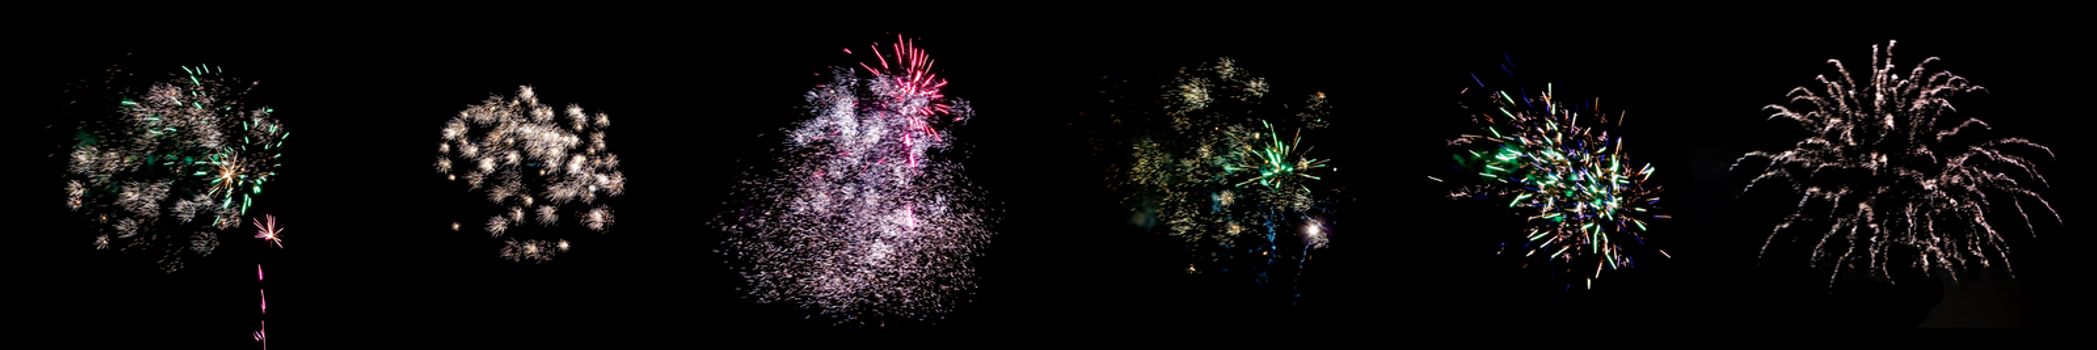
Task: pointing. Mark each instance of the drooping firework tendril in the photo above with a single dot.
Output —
(1892, 184)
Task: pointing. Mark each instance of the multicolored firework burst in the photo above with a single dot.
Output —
(174, 166)
(534, 168)
(1897, 187)
(1586, 203)
(868, 216)
(1209, 165)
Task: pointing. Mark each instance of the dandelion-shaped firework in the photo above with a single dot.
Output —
(867, 217)
(541, 174)
(1893, 185)
(1586, 203)
(1223, 168)
(174, 166)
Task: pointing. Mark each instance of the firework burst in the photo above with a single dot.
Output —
(1268, 162)
(174, 166)
(868, 217)
(268, 231)
(524, 159)
(1898, 188)
(1587, 205)
(1221, 166)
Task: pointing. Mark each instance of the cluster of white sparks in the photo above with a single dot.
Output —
(864, 220)
(1894, 186)
(543, 172)
(174, 167)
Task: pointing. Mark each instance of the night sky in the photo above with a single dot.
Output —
(370, 259)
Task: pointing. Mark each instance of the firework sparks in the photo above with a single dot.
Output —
(271, 235)
(173, 166)
(865, 219)
(1899, 188)
(1314, 235)
(1221, 166)
(269, 232)
(524, 159)
(1276, 165)
(1567, 177)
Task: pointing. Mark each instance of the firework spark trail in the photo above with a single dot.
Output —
(174, 166)
(526, 160)
(868, 217)
(1891, 175)
(262, 327)
(1569, 179)
(271, 235)
(1218, 171)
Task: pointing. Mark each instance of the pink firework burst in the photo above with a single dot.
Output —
(911, 70)
(267, 230)
(913, 86)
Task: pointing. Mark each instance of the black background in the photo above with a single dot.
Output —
(369, 258)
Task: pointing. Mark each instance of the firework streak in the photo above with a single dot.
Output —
(1586, 203)
(1897, 187)
(174, 166)
(541, 172)
(867, 217)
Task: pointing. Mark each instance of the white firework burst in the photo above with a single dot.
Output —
(1894, 185)
(533, 168)
(864, 220)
